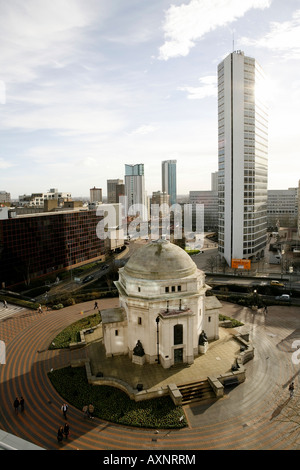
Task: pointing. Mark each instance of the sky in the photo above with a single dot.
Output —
(87, 86)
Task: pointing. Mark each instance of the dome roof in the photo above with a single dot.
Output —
(160, 260)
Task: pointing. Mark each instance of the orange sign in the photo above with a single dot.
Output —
(241, 263)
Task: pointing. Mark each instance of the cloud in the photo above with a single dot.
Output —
(187, 23)
(143, 130)
(5, 164)
(283, 38)
(207, 89)
(34, 34)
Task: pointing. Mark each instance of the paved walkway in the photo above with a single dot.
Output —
(219, 358)
(247, 417)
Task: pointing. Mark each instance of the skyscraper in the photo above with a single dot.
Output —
(169, 183)
(243, 158)
(135, 188)
(95, 194)
(112, 190)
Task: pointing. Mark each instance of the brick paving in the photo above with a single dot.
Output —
(245, 418)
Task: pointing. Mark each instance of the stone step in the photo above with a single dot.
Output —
(196, 391)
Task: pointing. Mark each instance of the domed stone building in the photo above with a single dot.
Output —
(163, 309)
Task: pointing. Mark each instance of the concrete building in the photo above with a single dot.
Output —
(169, 179)
(95, 195)
(243, 158)
(163, 309)
(214, 181)
(135, 193)
(4, 197)
(162, 200)
(114, 190)
(120, 191)
(38, 199)
(210, 202)
(282, 207)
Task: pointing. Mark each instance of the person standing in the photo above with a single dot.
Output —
(91, 409)
(96, 305)
(64, 409)
(60, 434)
(66, 430)
(22, 404)
(291, 389)
(16, 405)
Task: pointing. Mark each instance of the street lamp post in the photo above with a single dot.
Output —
(157, 337)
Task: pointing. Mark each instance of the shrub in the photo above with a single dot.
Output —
(57, 306)
(70, 334)
(114, 405)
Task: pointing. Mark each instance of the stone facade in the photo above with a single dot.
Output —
(163, 305)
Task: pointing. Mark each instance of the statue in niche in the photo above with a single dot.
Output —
(138, 350)
(203, 338)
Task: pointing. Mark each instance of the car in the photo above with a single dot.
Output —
(88, 278)
(284, 297)
(277, 283)
(105, 266)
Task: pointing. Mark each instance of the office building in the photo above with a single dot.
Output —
(169, 182)
(135, 193)
(113, 190)
(214, 181)
(95, 195)
(209, 201)
(38, 199)
(39, 244)
(282, 207)
(4, 197)
(242, 158)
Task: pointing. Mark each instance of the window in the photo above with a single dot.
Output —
(139, 320)
(166, 289)
(116, 332)
(178, 334)
(209, 319)
(179, 288)
(173, 288)
(139, 289)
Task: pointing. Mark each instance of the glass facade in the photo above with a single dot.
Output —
(169, 179)
(243, 157)
(37, 245)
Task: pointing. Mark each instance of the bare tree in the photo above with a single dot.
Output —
(288, 412)
(211, 263)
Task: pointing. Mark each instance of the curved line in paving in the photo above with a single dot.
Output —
(247, 425)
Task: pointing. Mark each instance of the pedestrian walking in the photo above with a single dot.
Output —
(60, 434)
(40, 310)
(16, 405)
(96, 305)
(5, 304)
(291, 389)
(64, 409)
(265, 310)
(22, 403)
